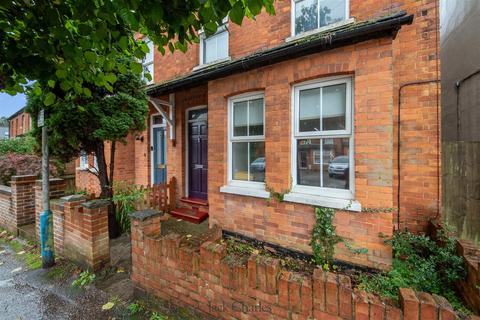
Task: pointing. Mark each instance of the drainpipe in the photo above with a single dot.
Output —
(409, 84)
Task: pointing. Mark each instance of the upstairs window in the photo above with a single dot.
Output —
(215, 47)
(147, 62)
(309, 15)
(83, 160)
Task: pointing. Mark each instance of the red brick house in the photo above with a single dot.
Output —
(20, 123)
(306, 103)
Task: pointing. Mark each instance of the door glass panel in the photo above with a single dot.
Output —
(334, 107)
(157, 120)
(200, 114)
(306, 16)
(336, 167)
(257, 161)
(308, 173)
(309, 110)
(255, 115)
(240, 118)
(240, 161)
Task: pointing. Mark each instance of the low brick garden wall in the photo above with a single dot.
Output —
(203, 279)
(80, 230)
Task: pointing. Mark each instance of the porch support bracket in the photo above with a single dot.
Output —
(170, 118)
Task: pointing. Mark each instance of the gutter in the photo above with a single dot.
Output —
(351, 34)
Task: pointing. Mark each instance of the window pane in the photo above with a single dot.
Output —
(306, 16)
(240, 161)
(149, 56)
(257, 161)
(210, 49)
(309, 110)
(308, 173)
(157, 120)
(334, 107)
(222, 45)
(240, 118)
(332, 11)
(255, 115)
(337, 168)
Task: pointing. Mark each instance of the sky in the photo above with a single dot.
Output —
(11, 104)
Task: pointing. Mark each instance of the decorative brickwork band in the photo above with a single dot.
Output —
(205, 279)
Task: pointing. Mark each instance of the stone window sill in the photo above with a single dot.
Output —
(244, 191)
(322, 201)
(206, 65)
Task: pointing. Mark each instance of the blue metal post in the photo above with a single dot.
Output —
(46, 218)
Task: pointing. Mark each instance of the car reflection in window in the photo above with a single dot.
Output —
(257, 169)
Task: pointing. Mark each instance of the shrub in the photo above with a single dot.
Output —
(126, 197)
(19, 145)
(324, 237)
(422, 264)
(21, 164)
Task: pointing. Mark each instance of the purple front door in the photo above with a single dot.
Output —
(197, 154)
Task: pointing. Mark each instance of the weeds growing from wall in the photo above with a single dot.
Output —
(422, 264)
(126, 197)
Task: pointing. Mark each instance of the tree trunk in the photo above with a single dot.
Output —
(106, 187)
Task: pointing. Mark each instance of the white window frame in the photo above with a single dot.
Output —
(347, 133)
(294, 36)
(203, 37)
(83, 161)
(231, 139)
(146, 64)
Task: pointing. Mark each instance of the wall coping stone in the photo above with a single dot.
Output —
(28, 178)
(97, 203)
(53, 181)
(73, 198)
(5, 189)
(146, 214)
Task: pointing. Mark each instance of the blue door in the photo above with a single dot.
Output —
(159, 156)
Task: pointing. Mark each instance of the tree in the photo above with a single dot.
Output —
(67, 46)
(3, 122)
(85, 124)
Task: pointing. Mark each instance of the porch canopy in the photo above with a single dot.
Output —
(333, 38)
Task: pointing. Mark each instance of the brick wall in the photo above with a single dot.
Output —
(289, 224)
(6, 216)
(81, 231)
(261, 289)
(23, 199)
(19, 125)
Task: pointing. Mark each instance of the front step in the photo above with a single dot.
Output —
(195, 201)
(194, 216)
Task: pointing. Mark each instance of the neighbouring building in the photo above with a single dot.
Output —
(20, 123)
(460, 21)
(331, 103)
(4, 132)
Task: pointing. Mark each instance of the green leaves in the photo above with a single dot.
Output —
(136, 67)
(237, 13)
(49, 99)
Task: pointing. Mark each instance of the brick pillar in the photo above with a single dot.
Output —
(23, 200)
(59, 206)
(6, 216)
(145, 222)
(95, 228)
(57, 190)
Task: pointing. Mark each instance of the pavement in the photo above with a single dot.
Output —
(29, 295)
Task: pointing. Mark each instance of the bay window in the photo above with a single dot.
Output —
(309, 15)
(247, 140)
(323, 140)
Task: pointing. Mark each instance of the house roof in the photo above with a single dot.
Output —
(318, 42)
(22, 110)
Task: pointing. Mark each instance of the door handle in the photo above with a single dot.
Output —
(161, 166)
(198, 166)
